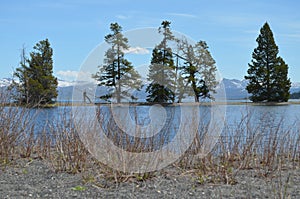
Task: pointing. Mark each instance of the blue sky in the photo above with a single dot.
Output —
(75, 27)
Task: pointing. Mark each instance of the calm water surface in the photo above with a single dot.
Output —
(287, 115)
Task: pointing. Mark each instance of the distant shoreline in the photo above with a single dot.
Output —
(228, 102)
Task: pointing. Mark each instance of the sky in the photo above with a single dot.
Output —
(76, 27)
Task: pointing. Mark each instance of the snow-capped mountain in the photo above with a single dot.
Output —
(64, 83)
(295, 87)
(235, 84)
(235, 89)
(5, 82)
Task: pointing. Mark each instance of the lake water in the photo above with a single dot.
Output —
(288, 116)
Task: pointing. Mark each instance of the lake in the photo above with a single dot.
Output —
(153, 128)
(287, 115)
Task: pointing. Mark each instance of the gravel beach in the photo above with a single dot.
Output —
(35, 179)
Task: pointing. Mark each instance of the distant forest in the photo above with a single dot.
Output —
(295, 95)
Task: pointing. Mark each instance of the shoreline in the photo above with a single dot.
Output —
(229, 102)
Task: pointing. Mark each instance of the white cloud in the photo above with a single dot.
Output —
(137, 50)
(122, 17)
(75, 75)
(182, 15)
(67, 73)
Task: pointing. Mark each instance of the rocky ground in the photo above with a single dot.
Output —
(35, 179)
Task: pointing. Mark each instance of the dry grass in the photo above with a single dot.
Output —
(16, 134)
(266, 147)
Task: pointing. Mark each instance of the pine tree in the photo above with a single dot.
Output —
(267, 73)
(37, 85)
(162, 69)
(190, 72)
(207, 68)
(117, 72)
(199, 70)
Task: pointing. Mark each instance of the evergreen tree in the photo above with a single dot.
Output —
(37, 85)
(162, 69)
(190, 72)
(206, 66)
(267, 73)
(199, 70)
(117, 72)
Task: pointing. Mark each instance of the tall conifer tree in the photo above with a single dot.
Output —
(267, 73)
(162, 69)
(199, 70)
(117, 72)
(37, 85)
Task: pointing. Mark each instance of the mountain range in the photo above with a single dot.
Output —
(235, 89)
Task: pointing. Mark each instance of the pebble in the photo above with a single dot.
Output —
(42, 182)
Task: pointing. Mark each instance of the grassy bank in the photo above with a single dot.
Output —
(267, 149)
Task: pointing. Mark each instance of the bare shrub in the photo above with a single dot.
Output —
(268, 147)
(61, 144)
(16, 133)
